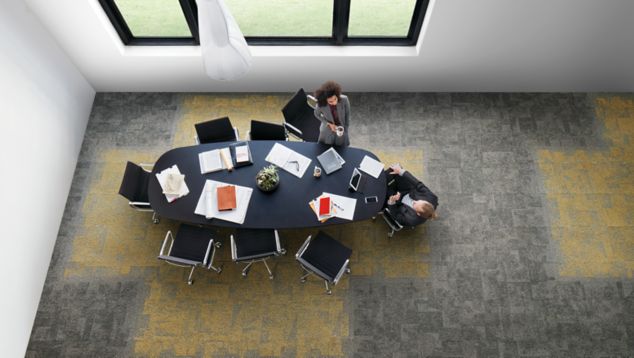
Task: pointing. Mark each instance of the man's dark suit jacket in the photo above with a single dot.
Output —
(408, 184)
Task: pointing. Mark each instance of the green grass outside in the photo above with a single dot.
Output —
(162, 18)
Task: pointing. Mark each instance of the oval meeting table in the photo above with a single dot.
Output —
(284, 208)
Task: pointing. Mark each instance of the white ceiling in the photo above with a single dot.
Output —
(466, 45)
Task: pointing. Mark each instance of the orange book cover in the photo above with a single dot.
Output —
(226, 197)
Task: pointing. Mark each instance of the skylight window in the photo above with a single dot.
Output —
(274, 22)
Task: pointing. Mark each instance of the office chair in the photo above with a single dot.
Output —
(252, 245)
(266, 131)
(324, 257)
(216, 130)
(299, 117)
(392, 223)
(134, 188)
(190, 248)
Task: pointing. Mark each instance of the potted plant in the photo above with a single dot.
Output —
(268, 178)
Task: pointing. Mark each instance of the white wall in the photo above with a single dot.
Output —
(484, 45)
(45, 104)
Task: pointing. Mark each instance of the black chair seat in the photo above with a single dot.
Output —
(215, 130)
(252, 244)
(191, 243)
(135, 183)
(266, 131)
(326, 254)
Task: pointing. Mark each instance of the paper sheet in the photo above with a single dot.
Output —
(371, 166)
(344, 206)
(288, 159)
(208, 205)
(162, 177)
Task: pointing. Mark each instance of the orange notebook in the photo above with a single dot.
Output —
(226, 197)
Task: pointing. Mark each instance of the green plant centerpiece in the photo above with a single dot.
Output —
(268, 179)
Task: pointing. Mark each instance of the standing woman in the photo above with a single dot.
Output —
(333, 110)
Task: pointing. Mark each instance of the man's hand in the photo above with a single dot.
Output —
(393, 199)
(396, 169)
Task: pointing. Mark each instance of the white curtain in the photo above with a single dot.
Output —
(225, 52)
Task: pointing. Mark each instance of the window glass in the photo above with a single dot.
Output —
(154, 18)
(292, 18)
(389, 18)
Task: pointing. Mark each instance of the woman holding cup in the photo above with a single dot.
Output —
(333, 110)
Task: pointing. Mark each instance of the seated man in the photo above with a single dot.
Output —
(410, 202)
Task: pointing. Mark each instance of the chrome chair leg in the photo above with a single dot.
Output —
(328, 290)
(211, 261)
(155, 218)
(189, 279)
(245, 270)
(303, 278)
(268, 269)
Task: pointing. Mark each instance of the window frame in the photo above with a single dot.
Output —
(340, 19)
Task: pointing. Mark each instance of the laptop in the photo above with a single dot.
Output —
(330, 160)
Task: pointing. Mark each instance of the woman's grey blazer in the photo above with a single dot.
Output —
(324, 115)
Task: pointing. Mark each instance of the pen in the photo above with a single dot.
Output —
(337, 206)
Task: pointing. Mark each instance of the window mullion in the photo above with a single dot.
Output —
(340, 19)
(190, 10)
(117, 20)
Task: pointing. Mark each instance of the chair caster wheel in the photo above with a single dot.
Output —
(348, 270)
(156, 221)
(302, 280)
(219, 270)
(191, 282)
(329, 292)
(218, 244)
(283, 251)
(270, 277)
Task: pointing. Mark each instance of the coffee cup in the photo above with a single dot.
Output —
(317, 172)
(340, 130)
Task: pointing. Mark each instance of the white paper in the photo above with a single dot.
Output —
(208, 204)
(242, 154)
(288, 159)
(371, 166)
(162, 177)
(343, 206)
(210, 161)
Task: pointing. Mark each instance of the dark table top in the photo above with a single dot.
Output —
(287, 206)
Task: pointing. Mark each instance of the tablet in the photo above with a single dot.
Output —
(355, 179)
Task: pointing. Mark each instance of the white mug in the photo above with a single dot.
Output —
(340, 130)
(317, 172)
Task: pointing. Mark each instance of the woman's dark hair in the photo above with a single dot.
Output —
(327, 90)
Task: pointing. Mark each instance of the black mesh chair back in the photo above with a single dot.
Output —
(215, 130)
(324, 257)
(253, 245)
(134, 184)
(299, 118)
(392, 223)
(192, 247)
(266, 131)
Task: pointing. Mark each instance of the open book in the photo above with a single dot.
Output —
(215, 160)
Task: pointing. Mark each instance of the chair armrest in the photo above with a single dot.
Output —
(277, 242)
(147, 166)
(301, 250)
(314, 269)
(293, 128)
(211, 243)
(140, 206)
(168, 237)
(340, 273)
(233, 248)
(196, 139)
(390, 217)
(311, 100)
(237, 133)
(178, 261)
